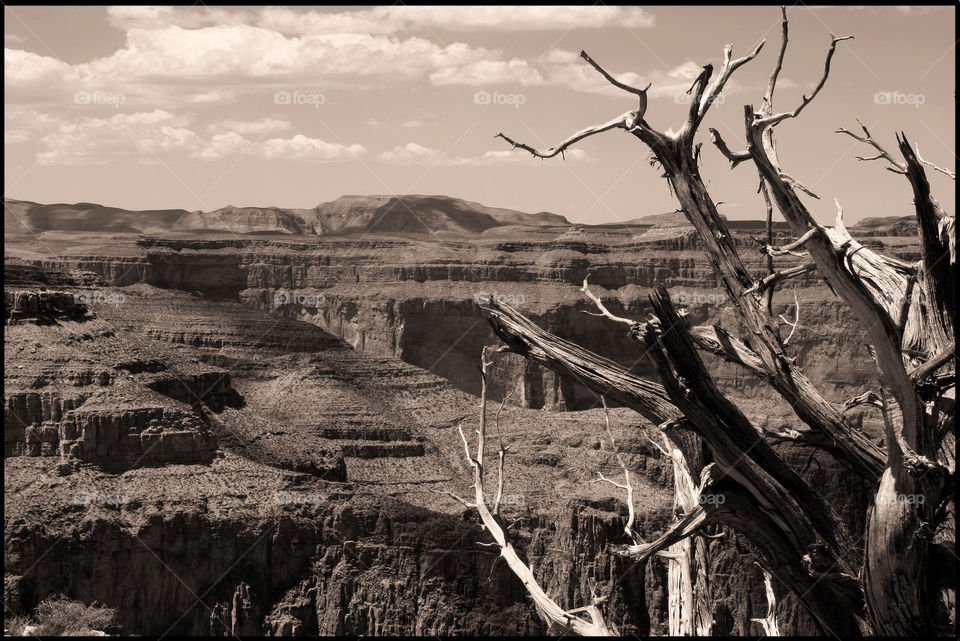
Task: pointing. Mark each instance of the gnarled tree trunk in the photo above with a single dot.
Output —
(895, 585)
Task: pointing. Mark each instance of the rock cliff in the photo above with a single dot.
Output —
(242, 435)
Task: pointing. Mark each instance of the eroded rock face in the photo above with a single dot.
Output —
(42, 306)
(417, 300)
(79, 391)
(305, 405)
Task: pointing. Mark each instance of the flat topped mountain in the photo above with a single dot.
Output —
(408, 214)
(25, 216)
(420, 214)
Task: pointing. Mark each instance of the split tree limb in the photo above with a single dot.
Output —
(769, 622)
(772, 121)
(546, 606)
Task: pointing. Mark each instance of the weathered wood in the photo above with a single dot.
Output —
(553, 614)
(908, 313)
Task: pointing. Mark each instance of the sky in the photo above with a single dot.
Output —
(199, 107)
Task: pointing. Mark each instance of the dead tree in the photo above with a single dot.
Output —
(894, 585)
(769, 622)
(687, 592)
(567, 621)
(688, 612)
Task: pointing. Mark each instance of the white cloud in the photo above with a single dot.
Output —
(191, 55)
(415, 154)
(23, 69)
(103, 140)
(411, 153)
(301, 147)
(566, 69)
(488, 72)
(523, 18)
(247, 52)
(390, 20)
(123, 17)
(251, 127)
(14, 136)
(224, 145)
(145, 136)
(212, 63)
(144, 17)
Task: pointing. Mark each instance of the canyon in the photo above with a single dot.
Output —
(246, 422)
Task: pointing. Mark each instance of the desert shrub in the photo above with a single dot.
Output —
(13, 626)
(60, 616)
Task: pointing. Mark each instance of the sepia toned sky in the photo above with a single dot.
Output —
(197, 107)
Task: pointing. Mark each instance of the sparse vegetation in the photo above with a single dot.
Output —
(59, 616)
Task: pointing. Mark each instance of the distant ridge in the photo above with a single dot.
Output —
(408, 214)
(354, 215)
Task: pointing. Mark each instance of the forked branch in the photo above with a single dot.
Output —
(898, 167)
(555, 615)
(706, 97)
(625, 121)
(774, 120)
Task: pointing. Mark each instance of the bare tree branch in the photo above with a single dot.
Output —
(867, 398)
(797, 185)
(706, 97)
(625, 121)
(766, 108)
(546, 606)
(775, 277)
(603, 310)
(933, 364)
(794, 323)
(641, 93)
(735, 157)
(790, 247)
(769, 623)
(946, 172)
(772, 121)
(898, 167)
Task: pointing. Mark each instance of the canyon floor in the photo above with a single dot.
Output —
(257, 433)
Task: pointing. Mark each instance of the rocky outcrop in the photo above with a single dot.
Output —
(121, 439)
(43, 306)
(417, 300)
(297, 486)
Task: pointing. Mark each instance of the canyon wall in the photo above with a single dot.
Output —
(256, 437)
(417, 300)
